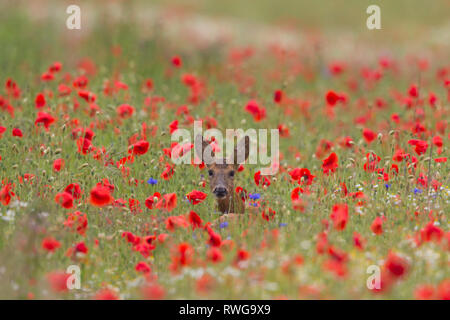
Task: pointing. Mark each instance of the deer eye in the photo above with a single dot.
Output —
(231, 173)
(210, 172)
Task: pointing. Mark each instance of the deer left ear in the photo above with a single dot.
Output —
(241, 151)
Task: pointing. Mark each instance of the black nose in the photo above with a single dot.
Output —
(220, 192)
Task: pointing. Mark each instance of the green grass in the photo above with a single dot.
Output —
(31, 46)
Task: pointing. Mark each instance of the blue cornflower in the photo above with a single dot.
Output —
(254, 196)
(283, 224)
(152, 181)
(387, 185)
(416, 191)
(223, 225)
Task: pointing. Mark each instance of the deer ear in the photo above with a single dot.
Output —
(242, 151)
(200, 146)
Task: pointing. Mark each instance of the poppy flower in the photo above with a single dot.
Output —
(50, 244)
(195, 220)
(396, 265)
(64, 199)
(106, 294)
(153, 291)
(6, 194)
(278, 96)
(58, 281)
(424, 292)
(330, 164)
(167, 202)
(339, 216)
(332, 98)
(45, 118)
(358, 241)
(264, 181)
(142, 267)
(125, 111)
(140, 147)
(196, 197)
(214, 239)
(58, 164)
(368, 135)
(81, 247)
(258, 113)
(151, 200)
(168, 172)
(39, 101)
(420, 146)
(100, 196)
(176, 61)
(377, 226)
(268, 215)
(16, 132)
(431, 233)
(74, 189)
(214, 254)
(302, 176)
(88, 96)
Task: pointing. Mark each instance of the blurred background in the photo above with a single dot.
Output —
(35, 31)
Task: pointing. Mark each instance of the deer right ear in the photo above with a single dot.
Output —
(200, 146)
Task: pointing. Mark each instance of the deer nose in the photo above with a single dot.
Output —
(220, 192)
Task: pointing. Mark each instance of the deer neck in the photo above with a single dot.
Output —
(231, 204)
(225, 205)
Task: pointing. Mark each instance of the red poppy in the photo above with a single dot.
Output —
(106, 294)
(50, 244)
(278, 96)
(215, 254)
(377, 226)
(330, 164)
(168, 172)
(420, 146)
(39, 101)
(332, 98)
(264, 181)
(142, 267)
(58, 281)
(302, 176)
(255, 110)
(140, 147)
(339, 215)
(64, 199)
(45, 118)
(58, 164)
(151, 200)
(396, 265)
(431, 233)
(195, 220)
(6, 194)
(81, 247)
(369, 135)
(16, 132)
(153, 292)
(167, 202)
(74, 189)
(125, 111)
(196, 197)
(176, 61)
(100, 196)
(358, 241)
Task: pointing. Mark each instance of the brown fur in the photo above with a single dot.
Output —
(221, 176)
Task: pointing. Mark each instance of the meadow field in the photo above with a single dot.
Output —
(93, 206)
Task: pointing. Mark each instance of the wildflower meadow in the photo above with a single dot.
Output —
(93, 205)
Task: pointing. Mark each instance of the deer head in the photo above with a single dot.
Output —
(221, 173)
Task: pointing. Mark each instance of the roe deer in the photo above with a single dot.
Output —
(221, 175)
